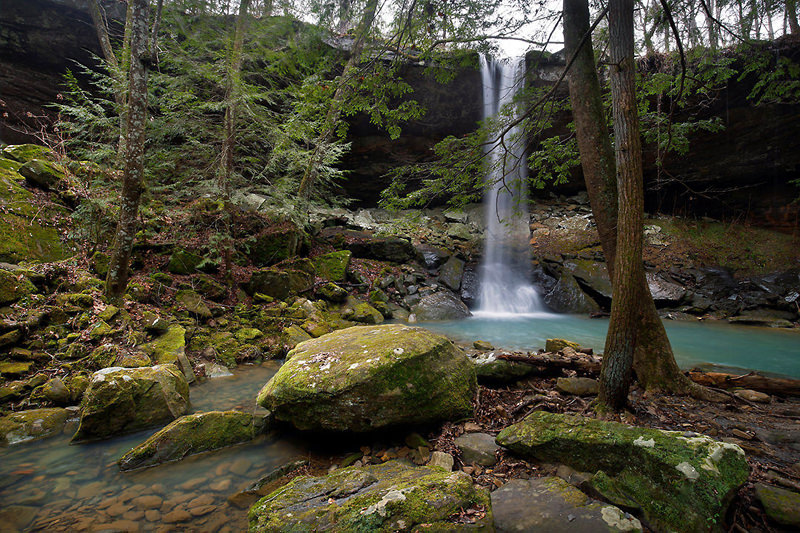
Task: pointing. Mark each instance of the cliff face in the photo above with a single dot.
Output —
(743, 171)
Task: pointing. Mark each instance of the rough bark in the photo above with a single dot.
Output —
(334, 114)
(779, 386)
(791, 16)
(133, 175)
(232, 90)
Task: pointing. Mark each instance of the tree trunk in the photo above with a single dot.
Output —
(654, 362)
(232, 90)
(791, 15)
(133, 175)
(335, 110)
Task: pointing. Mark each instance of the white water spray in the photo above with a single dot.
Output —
(505, 287)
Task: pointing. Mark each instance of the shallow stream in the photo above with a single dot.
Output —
(696, 344)
(50, 485)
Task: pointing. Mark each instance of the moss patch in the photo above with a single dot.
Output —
(333, 266)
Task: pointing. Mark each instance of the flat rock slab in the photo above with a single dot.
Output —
(394, 496)
(191, 434)
(370, 377)
(477, 448)
(677, 481)
(551, 505)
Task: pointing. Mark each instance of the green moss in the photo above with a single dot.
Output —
(26, 152)
(363, 378)
(32, 424)
(13, 287)
(99, 263)
(13, 369)
(782, 506)
(677, 481)
(275, 244)
(183, 262)
(333, 266)
(364, 313)
(555, 345)
(388, 497)
(193, 303)
(167, 347)
(192, 434)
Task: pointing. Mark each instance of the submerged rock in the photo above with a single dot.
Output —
(191, 434)
(123, 400)
(368, 377)
(551, 505)
(394, 496)
(679, 482)
(33, 424)
(442, 305)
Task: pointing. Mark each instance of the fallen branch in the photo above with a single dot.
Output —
(752, 380)
(548, 361)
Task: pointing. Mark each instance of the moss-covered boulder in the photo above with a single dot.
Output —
(333, 266)
(677, 481)
(42, 173)
(555, 345)
(191, 434)
(167, 347)
(13, 287)
(24, 236)
(781, 506)
(295, 335)
(23, 153)
(275, 244)
(333, 293)
(123, 400)
(183, 262)
(10, 369)
(363, 313)
(193, 302)
(394, 496)
(369, 377)
(269, 282)
(34, 424)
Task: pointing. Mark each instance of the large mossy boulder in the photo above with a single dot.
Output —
(24, 236)
(369, 377)
(33, 424)
(442, 305)
(167, 347)
(676, 481)
(124, 400)
(275, 244)
(13, 287)
(394, 496)
(333, 266)
(191, 434)
(183, 262)
(23, 153)
(42, 173)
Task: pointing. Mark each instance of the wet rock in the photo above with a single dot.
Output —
(482, 345)
(178, 515)
(368, 377)
(566, 296)
(17, 517)
(451, 273)
(388, 497)
(781, 506)
(295, 335)
(459, 232)
(753, 396)
(551, 505)
(442, 460)
(676, 481)
(193, 434)
(666, 293)
(578, 386)
(333, 266)
(431, 256)
(477, 448)
(442, 305)
(32, 424)
(123, 400)
(763, 318)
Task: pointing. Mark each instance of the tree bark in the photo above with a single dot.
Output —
(334, 114)
(232, 91)
(791, 15)
(133, 175)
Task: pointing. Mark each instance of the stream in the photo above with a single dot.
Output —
(708, 345)
(50, 485)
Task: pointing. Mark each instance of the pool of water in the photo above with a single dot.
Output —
(50, 485)
(769, 350)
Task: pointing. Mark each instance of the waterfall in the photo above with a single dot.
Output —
(505, 273)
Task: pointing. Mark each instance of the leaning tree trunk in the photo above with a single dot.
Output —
(791, 15)
(232, 91)
(311, 174)
(133, 175)
(628, 268)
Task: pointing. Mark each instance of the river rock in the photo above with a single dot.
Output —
(451, 273)
(782, 506)
(478, 448)
(555, 345)
(388, 497)
(193, 434)
(368, 377)
(677, 481)
(17, 517)
(442, 305)
(551, 505)
(566, 296)
(578, 386)
(123, 400)
(32, 424)
(666, 293)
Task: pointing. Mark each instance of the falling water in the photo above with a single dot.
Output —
(505, 287)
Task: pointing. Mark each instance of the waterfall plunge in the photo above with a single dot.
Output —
(505, 287)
